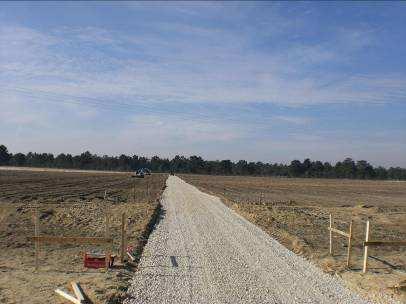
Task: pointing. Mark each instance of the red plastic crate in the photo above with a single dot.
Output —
(91, 260)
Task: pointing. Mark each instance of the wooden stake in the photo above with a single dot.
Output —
(36, 233)
(131, 256)
(331, 235)
(349, 245)
(134, 194)
(147, 190)
(339, 232)
(365, 267)
(78, 292)
(107, 235)
(123, 238)
(105, 194)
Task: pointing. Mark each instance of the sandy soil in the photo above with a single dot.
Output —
(296, 212)
(70, 204)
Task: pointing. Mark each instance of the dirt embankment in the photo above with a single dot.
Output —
(296, 212)
(70, 204)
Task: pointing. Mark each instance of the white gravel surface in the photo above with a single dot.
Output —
(203, 252)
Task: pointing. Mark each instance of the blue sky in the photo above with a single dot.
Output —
(263, 81)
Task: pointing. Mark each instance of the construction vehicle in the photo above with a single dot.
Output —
(139, 173)
(146, 171)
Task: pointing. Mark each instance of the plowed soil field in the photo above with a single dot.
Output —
(70, 204)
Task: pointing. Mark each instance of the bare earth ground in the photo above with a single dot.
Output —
(296, 212)
(70, 204)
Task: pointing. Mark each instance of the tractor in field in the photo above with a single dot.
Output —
(139, 173)
(146, 171)
(142, 172)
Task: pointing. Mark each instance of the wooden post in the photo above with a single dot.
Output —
(123, 238)
(134, 194)
(349, 245)
(147, 191)
(365, 267)
(105, 194)
(107, 235)
(127, 229)
(36, 233)
(331, 235)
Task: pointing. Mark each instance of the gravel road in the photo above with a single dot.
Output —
(203, 252)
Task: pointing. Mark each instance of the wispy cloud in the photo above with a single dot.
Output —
(297, 120)
(175, 70)
(199, 65)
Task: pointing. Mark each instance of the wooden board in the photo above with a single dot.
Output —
(385, 243)
(339, 232)
(78, 292)
(71, 240)
(67, 296)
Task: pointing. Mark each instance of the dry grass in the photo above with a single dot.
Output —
(70, 204)
(296, 212)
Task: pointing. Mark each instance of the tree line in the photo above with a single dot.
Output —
(195, 164)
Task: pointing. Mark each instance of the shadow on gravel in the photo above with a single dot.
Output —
(157, 216)
(160, 261)
(178, 272)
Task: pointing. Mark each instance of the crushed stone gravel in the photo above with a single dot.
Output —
(203, 252)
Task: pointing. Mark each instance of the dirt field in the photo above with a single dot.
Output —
(296, 212)
(70, 204)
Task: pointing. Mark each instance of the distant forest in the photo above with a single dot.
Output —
(179, 164)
